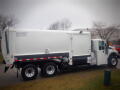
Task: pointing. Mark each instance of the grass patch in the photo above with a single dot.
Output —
(97, 82)
(85, 80)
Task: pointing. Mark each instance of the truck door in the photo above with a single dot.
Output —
(101, 54)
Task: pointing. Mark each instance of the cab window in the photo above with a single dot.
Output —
(101, 45)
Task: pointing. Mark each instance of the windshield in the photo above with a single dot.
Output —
(101, 45)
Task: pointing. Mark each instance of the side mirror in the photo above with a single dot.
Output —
(106, 48)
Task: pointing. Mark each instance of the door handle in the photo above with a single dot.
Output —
(103, 51)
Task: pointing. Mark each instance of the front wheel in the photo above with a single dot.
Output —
(29, 72)
(112, 61)
(49, 69)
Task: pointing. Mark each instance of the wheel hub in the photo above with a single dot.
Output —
(113, 61)
(30, 72)
(50, 70)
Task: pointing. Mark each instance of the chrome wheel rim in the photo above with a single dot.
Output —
(113, 61)
(50, 69)
(29, 72)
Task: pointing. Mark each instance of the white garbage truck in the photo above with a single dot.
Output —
(52, 50)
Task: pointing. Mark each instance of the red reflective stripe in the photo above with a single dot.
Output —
(51, 57)
(23, 59)
(16, 60)
(45, 58)
(58, 57)
(39, 58)
(31, 58)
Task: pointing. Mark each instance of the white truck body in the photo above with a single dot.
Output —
(32, 42)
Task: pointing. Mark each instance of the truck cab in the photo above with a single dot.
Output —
(104, 54)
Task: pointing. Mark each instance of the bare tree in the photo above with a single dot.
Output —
(63, 24)
(104, 31)
(6, 22)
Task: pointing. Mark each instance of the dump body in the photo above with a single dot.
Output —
(36, 42)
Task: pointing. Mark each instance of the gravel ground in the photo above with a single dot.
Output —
(10, 77)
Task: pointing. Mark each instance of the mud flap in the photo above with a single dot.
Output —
(18, 70)
(6, 69)
(12, 66)
(17, 73)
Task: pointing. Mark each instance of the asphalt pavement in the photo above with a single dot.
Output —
(10, 77)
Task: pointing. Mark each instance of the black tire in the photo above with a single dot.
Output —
(29, 72)
(49, 69)
(62, 68)
(112, 61)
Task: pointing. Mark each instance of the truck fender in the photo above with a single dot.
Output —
(113, 54)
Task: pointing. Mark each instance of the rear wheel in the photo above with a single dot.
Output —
(29, 72)
(112, 61)
(49, 69)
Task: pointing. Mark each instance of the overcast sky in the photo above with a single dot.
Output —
(39, 14)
